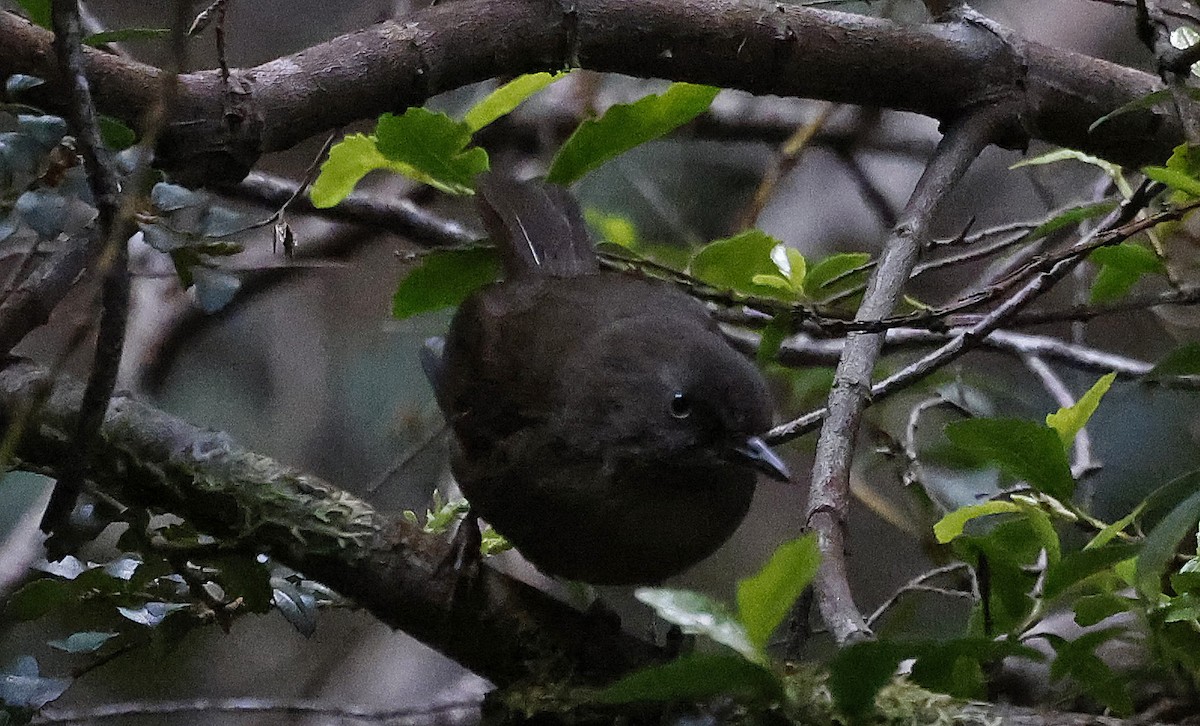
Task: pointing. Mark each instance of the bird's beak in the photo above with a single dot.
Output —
(755, 452)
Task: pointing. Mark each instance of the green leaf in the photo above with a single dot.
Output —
(84, 642)
(1069, 218)
(1110, 531)
(625, 126)
(734, 262)
(797, 268)
(951, 525)
(955, 667)
(507, 97)
(858, 673)
(38, 11)
(612, 228)
(696, 677)
(431, 148)
(1185, 159)
(1092, 609)
(698, 614)
(1175, 179)
(37, 599)
(349, 161)
(833, 268)
(126, 34)
(1077, 659)
(426, 146)
(765, 598)
(1043, 531)
(1022, 449)
(1120, 267)
(1161, 543)
(772, 338)
(1151, 99)
(245, 577)
(115, 134)
(1078, 566)
(1070, 420)
(1183, 361)
(443, 279)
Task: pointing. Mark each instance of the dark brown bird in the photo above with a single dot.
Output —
(602, 423)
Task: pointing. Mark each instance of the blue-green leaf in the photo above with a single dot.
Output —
(83, 642)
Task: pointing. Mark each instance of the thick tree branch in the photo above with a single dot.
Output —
(940, 70)
(506, 632)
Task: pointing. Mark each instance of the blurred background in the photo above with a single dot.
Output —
(306, 365)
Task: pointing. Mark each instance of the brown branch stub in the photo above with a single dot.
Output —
(510, 633)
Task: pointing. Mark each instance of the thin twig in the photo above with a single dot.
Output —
(252, 705)
(828, 501)
(114, 225)
(976, 334)
(917, 584)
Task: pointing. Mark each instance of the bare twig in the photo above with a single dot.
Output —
(114, 225)
(402, 216)
(433, 713)
(917, 584)
(828, 496)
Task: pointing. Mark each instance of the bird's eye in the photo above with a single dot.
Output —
(681, 405)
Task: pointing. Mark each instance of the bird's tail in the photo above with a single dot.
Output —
(537, 227)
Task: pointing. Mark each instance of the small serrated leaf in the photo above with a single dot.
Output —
(38, 598)
(171, 197)
(1121, 266)
(43, 210)
(18, 82)
(1183, 361)
(214, 289)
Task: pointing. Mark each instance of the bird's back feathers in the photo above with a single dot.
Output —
(537, 227)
